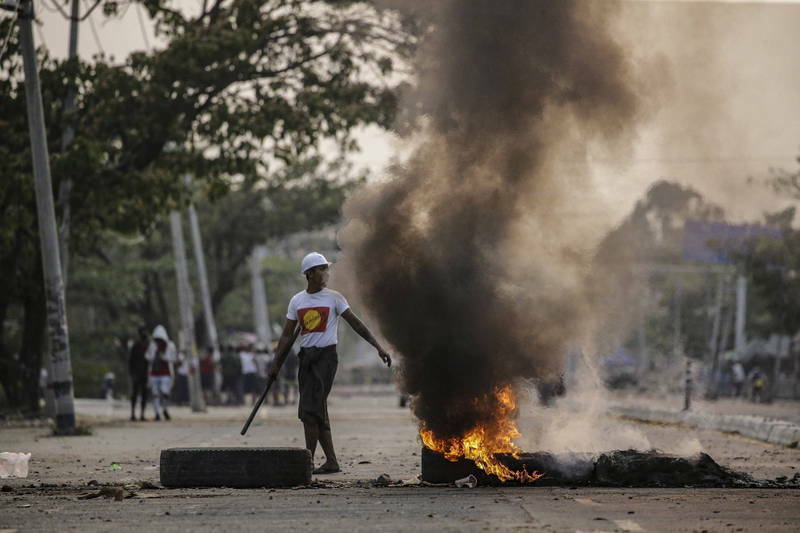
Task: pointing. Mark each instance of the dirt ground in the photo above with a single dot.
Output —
(373, 436)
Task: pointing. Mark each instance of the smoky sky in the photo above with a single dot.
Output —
(464, 255)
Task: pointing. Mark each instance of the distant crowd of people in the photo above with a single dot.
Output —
(734, 381)
(244, 374)
(160, 374)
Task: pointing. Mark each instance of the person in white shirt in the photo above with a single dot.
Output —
(247, 358)
(161, 356)
(317, 310)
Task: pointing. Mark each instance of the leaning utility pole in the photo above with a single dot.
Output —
(208, 312)
(65, 187)
(187, 319)
(59, 366)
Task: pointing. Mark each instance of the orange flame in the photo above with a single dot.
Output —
(481, 443)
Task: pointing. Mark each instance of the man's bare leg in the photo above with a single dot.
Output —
(312, 436)
(326, 441)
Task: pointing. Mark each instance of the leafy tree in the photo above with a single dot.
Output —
(241, 89)
(650, 236)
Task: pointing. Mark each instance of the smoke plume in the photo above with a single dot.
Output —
(473, 256)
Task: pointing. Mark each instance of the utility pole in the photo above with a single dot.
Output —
(641, 326)
(65, 187)
(741, 313)
(677, 341)
(714, 349)
(208, 312)
(260, 310)
(59, 365)
(186, 338)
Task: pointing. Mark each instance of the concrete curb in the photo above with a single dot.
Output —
(760, 428)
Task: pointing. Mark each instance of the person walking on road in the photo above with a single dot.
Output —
(317, 309)
(137, 370)
(247, 358)
(161, 355)
(738, 379)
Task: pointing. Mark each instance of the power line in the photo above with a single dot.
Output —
(67, 16)
(96, 37)
(39, 25)
(58, 8)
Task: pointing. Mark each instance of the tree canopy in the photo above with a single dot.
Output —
(241, 92)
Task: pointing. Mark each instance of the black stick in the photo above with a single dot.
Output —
(270, 381)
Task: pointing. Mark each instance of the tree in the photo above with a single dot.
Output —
(241, 89)
(650, 237)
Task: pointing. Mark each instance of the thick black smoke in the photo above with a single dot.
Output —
(465, 256)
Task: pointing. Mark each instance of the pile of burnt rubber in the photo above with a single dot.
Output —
(622, 468)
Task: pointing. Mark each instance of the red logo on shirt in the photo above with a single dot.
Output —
(314, 319)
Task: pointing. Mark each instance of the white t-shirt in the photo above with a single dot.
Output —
(318, 315)
(248, 362)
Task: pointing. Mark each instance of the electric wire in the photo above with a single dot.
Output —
(58, 8)
(66, 15)
(38, 24)
(96, 36)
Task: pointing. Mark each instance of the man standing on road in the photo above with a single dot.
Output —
(318, 309)
(738, 379)
(161, 355)
(137, 369)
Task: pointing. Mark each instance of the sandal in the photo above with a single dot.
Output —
(327, 470)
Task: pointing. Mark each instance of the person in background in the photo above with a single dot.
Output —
(758, 382)
(137, 372)
(161, 356)
(180, 389)
(739, 378)
(207, 369)
(107, 389)
(247, 358)
(231, 370)
(289, 377)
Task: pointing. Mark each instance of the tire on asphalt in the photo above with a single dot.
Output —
(235, 467)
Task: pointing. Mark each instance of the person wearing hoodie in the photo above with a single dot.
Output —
(161, 356)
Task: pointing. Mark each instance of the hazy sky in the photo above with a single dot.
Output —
(726, 79)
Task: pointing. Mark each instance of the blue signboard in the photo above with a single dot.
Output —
(713, 243)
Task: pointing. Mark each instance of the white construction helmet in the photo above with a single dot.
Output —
(312, 260)
(160, 333)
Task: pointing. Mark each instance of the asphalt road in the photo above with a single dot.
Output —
(373, 437)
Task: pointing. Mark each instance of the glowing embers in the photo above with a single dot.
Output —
(482, 443)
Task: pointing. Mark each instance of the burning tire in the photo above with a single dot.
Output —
(570, 468)
(235, 467)
(621, 468)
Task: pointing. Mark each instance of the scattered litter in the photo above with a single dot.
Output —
(115, 466)
(365, 462)
(24, 505)
(469, 482)
(14, 464)
(382, 480)
(107, 492)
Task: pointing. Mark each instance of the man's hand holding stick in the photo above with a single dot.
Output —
(280, 357)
